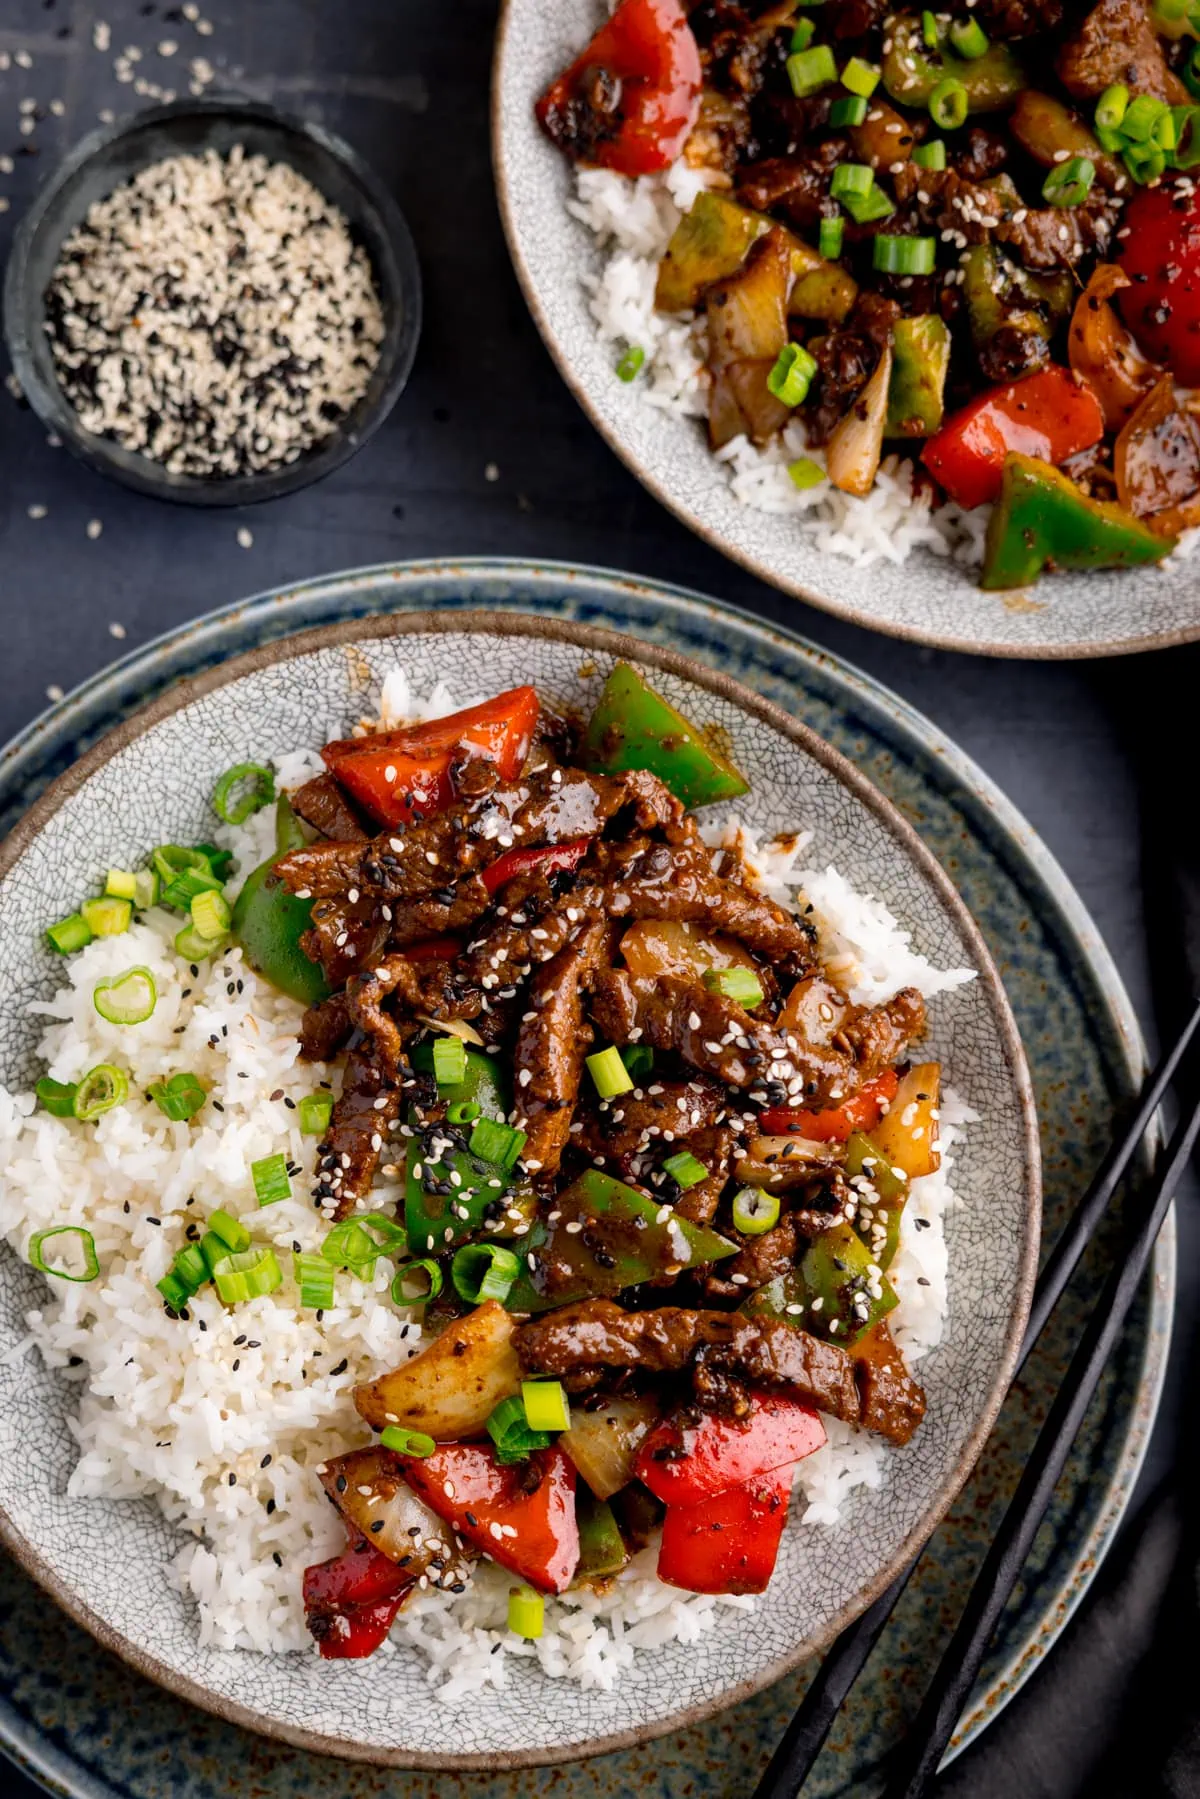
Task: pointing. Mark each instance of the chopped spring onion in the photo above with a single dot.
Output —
(931, 155)
(1145, 162)
(829, 240)
(389, 1237)
(741, 985)
(484, 1271)
(496, 1142)
(56, 1097)
(875, 206)
(174, 1292)
(107, 917)
(463, 1111)
(121, 883)
(810, 70)
(145, 889)
(314, 1277)
(213, 1250)
(1165, 133)
(348, 1245)
(428, 1278)
(630, 365)
(685, 1169)
(852, 181)
(527, 1609)
(802, 36)
(509, 1430)
(128, 998)
(929, 30)
(850, 111)
(170, 859)
(314, 1112)
(609, 1073)
(190, 1267)
(545, 1405)
(805, 473)
(1070, 182)
(220, 861)
(1140, 118)
(638, 1059)
(193, 947)
(180, 1098)
(69, 934)
(755, 1211)
(904, 255)
(791, 377)
(228, 1230)
(247, 1273)
(101, 1088)
(862, 78)
(271, 1179)
(948, 105)
(259, 793)
(1187, 136)
(969, 39)
(211, 916)
(449, 1061)
(407, 1442)
(1191, 72)
(182, 888)
(75, 1235)
(1112, 106)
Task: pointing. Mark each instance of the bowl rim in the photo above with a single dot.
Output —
(694, 520)
(139, 472)
(346, 632)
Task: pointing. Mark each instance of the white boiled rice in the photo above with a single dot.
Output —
(224, 1417)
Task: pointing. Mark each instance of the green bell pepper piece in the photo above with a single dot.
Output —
(634, 727)
(1041, 517)
(626, 1238)
(911, 70)
(268, 921)
(602, 1550)
(434, 1202)
(710, 243)
(999, 294)
(829, 1295)
(920, 359)
(877, 1220)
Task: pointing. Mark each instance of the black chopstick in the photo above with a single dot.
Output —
(921, 1752)
(805, 1736)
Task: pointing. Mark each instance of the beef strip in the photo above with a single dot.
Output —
(795, 187)
(552, 1042)
(892, 1403)
(759, 1261)
(714, 1147)
(634, 1122)
(1018, 18)
(366, 1110)
(979, 153)
(322, 804)
(325, 1029)
(455, 909)
(1118, 43)
(345, 936)
(847, 358)
(418, 990)
(1043, 238)
(577, 1342)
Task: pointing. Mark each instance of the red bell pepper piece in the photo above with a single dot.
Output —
(486, 1500)
(728, 1544)
(646, 57)
(684, 1463)
(1160, 252)
(400, 775)
(838, 1125)
(351, 1601)
(1050, 414)
(548, 859)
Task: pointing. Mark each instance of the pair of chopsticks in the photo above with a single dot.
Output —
(917, 1759)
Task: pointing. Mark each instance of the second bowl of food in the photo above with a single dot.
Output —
(520, 1200)
(877, 300)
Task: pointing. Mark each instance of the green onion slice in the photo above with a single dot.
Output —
(407, 1442)
(948, 105)
(121, 883)
(484, 1271)
(182, 888)
(931, 155)
(428, 1277)
(229, 1230)
(829, 240)
(66, 1235)
(389, 1237)
(69, 934)
(247, 1273)
(1111, 106)
(145, 889)
(1070, 183)
(969, 39)
(802, 36)
(929, 30)
(271, 1179)
(755, 1211)
(851, 110)
(904, 255)
(260, 791)
(638, 1059)
(805, 473)
(128, 998)
(314, 1277)
(190, 1267)
(211, 916)
(741, 985)
(314, 1112)
(810, 70)
(449, 1061)
(1141, 116)
(631, 364)
(685, 1169)
(173, 1291)
(862, 78)
(509, 1430)
(1145, 162)
(193, 947)
(107, 917)
(494, 1142)
(609, 1073)
(463, 1111)
(348, 1245)
(526, 1610)
(101, 1088)
(852, 180)
(57, 1097)
(545, 1404)
(180, 1098)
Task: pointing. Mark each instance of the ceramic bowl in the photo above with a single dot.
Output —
(107, 1562)
(927, 598)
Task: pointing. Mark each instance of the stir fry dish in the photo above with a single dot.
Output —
(654, 1161)
(968, 235)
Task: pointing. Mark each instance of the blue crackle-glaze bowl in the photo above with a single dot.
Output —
(106, 1562)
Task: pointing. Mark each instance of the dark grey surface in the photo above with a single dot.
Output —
(1075, 745)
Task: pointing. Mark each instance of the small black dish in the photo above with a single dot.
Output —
(113, 155)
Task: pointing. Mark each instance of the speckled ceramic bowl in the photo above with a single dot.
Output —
(927, 598)
(107, 1563)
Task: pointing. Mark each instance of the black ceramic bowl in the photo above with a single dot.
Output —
(107, 158)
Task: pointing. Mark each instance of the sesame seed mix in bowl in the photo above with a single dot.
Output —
(467, 1179)
(215, 315)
